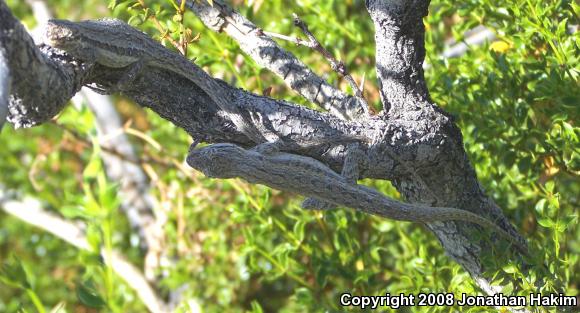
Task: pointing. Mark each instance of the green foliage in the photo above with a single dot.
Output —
(245, 248)
(517, 104)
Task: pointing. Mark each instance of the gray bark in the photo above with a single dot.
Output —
(40, 69)
(417, 145)
(270, 55)
(446, 178)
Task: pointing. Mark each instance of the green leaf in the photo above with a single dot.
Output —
(108, 198)
(540, 205)
(256, 307)
(112, 4)
(510, 269)
(507, 289)
(95, 164)
(546, 222)
(73, 211)
(88, 295)
(299, 230)
(550, 186)
(13, 274)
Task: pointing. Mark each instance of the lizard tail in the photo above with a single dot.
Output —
(424, 214)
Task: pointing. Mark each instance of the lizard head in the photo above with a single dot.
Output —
(82, 39)
(108, 42)
(62, 34)
(218, 160)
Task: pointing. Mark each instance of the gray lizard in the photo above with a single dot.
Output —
(350, 172)
(311, 178)
(113, 43)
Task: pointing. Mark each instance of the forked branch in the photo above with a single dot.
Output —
(313, 43)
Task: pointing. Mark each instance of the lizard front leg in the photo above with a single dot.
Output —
(126, 80)
(133, 70)
(350, 171)
(268, 148)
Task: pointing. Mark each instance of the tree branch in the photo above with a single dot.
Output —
(416, 145)
(32, 69)
(254, 42)
(4, 86)
(137, 202)
(400, 51)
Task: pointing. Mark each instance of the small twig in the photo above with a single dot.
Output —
(295, 40)
(180, 46)
(313, 43)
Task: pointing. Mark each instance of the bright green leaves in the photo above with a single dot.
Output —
(165, 18)
(113, 4)
(517, 103)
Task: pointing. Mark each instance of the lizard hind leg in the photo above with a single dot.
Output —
(350, 171)
(268, 148)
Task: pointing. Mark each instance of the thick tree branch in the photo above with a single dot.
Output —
(400, 51)
(415, 145)
(450, 180)
(4, 86)
(32, 69)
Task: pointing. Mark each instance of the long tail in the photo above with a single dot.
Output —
(424, 214)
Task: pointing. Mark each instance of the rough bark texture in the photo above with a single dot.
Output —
(415, 144)
(270, 55)
(40, 69)
(441, 174)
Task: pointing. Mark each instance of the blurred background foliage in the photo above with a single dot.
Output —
(237, 247)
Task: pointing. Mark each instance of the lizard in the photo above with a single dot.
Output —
(350, 172)
(220, 17)
(312, 178)
(115, 44)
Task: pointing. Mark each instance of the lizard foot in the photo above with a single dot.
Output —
(315, 204)
(100, 90)
(267, 148)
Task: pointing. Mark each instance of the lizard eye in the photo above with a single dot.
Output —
(58, 36)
